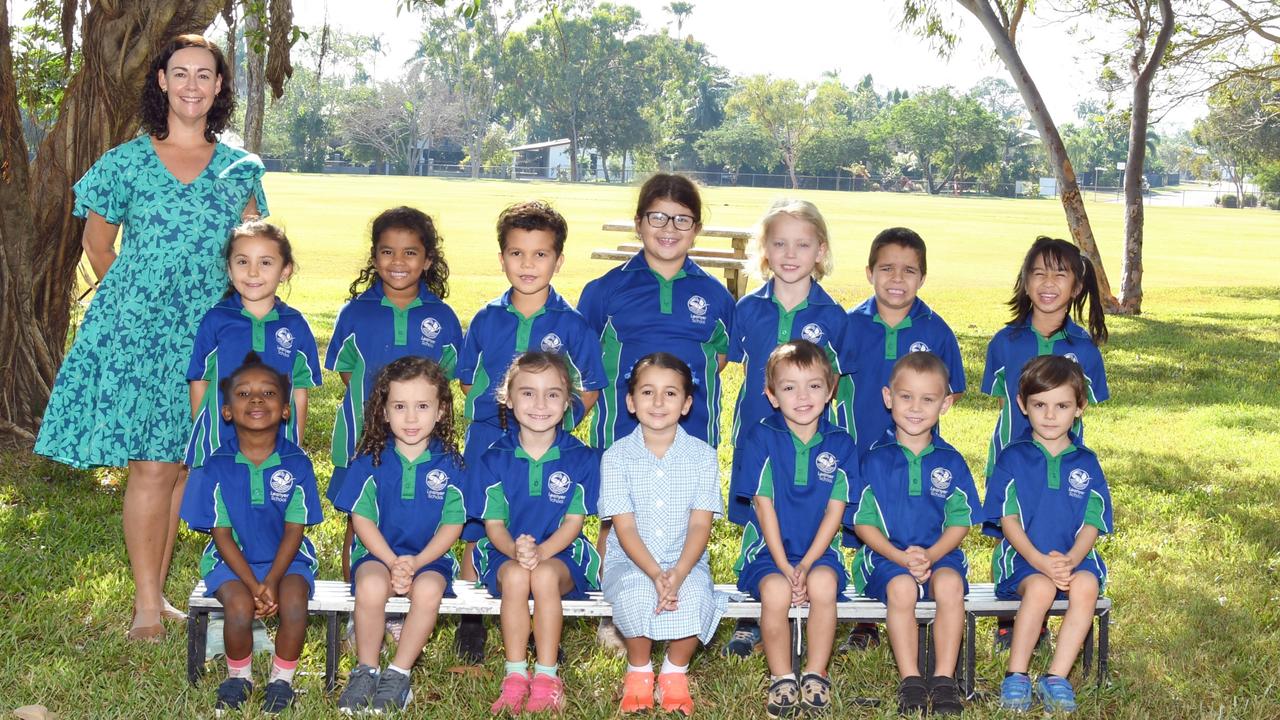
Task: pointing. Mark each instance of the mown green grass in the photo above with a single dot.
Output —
(1189, 443)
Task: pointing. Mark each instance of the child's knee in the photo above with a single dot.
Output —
(1038, 588)
(821, 584)
(947, 588)
(1084, 586)
(544, 580)
(775, 592)
(902, 591)
(429, 586)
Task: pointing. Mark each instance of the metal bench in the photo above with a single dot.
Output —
(333, 601)
(732, 260)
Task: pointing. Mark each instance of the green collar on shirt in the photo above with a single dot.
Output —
(409, 473)
(891, 336)
(526, 325)
(257, 491)
(802, 455)
(664, 288)
(787, 318)
(914, 483)
(1044, 345)
(535, 467)
(260, 327)
(1053, 464)
(402, 317)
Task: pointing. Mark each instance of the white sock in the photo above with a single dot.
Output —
(402, 671)
(670, 667)
(646, 668)
(776, 678)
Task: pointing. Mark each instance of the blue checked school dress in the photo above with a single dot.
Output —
(121, 393)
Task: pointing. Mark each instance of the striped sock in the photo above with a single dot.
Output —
(242, 669)
(282, 670)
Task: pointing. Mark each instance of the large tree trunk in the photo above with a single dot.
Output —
(1143, 69)
(39, 239)
(1068, 188)
(255, 75)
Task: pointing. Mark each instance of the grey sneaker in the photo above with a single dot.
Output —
(361, 684)
(393, 692)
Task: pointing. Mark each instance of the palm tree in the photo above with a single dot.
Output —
(679, 11)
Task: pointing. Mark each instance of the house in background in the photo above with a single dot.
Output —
(549, 160)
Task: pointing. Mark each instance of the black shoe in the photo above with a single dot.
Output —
(1004, 635)
(944, 696)
(278, 697)
(358, 696)
(232, 693)
(863, 636)
(470, 638)
(913, 695)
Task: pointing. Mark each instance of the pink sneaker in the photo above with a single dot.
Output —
(515, 689)
(546, 693)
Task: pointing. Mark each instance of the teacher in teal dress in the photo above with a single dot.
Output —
(121, 394)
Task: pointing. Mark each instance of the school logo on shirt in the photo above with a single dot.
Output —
(284, 342)
(939, 481)
(1078, 479)
(281, 484)
(827, 466)
(813, 333)
(698, 309)
(919, 346)
(558, 484)
(436, 482)
(430, 329)
(551, 342)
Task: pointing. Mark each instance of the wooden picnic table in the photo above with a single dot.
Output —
(732, 260)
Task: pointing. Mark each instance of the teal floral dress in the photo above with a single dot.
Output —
(121, 393)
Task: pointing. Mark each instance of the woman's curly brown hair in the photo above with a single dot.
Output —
(154, 108)
(435, 276)
(377, 431)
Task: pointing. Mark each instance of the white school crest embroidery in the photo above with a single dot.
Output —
(697, 309)
(558, 484)
(436, 480)
(551, 343)
(281, 484)
(1079, 481)
(939, 480)
(430, 329)
(284, 342)
(812, 332)
(919, 346)
(827, 466)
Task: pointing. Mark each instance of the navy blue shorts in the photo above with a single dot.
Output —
(222, 574)
(444, 566)
(580, 557)
(750, 577)
(873, 571)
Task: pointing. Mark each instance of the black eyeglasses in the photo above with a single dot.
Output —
(660, 220)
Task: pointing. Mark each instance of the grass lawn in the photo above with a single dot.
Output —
(1189, 443)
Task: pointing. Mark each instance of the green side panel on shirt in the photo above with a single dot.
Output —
(449, 360)
(479, 386)
(1011, 506)
(956, 511)
(868, 512)
(349, 361)
(606, 410)
(1093, 513)
(764, 486)
(453, 512)
(495, 505)
(367, 504)
(296, 512)
(716, 345)
(578, 504)
(840, 488)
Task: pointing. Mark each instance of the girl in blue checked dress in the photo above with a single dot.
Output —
(533, 489)
(254, 496)
(250, 318)
(404, 494)
(661, 488)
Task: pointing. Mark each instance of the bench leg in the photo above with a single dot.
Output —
(197, 638)
(1087, 660)
(1104, 646)
(330, 651)
(797, 645)
(922, 651)
(970, 656)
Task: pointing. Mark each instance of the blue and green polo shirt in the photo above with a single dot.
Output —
(635, 311)
(760, 324)
(370, 332)
(227, 333)
(1054, 497)
(408, 500)
(876, 348)
(255, 501)
(800, 478)
(1010, 350)
(499, 332)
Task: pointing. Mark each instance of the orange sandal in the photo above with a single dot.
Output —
(637, 692)
(673, 693)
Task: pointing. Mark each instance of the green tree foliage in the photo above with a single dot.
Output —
(952, 136)
(1242, 130)
(737, 145)
(780, 108)
(40, 68)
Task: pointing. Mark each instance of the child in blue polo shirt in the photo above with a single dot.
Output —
(254, 495)
(404, 494)
(533, 489)
(396, 309)
(249, 319)
(660, 300)
(1047, 500)
(915, 505)
(794, 254)
(894, 321)
(661, 488)
(531, 315)
(1054, 282)
(797, 467)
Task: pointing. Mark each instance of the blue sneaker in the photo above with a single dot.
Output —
(1056, 694)
(746, 638)
(1015, 693)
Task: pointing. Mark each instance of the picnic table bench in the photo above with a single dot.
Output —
(732, 260)
(333, 601)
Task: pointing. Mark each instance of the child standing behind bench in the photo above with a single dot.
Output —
(1048, 502)
(255, 495)
(915, 505)
(404, 494)
(661, 488)
(797, 468)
